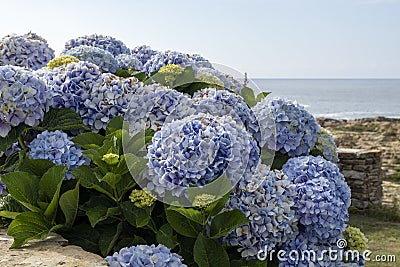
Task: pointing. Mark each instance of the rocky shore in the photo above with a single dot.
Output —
(373, 133)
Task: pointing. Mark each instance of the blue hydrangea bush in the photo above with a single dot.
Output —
(156, 158)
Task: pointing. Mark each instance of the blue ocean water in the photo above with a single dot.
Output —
(339, 98)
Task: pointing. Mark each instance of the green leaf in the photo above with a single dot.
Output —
(88, 140)
(87, 178)
(182, 225)
(50, 182)
(124, 185)
(165, 236)
(261, 96)
(186, 245)
(215, 207)
(115, 124)
(188, 76)
(111, 179)
(96, 200)
(23, 187)
(49, 189)
(97, 214)
(279, 160)
(122, 166)
(9, 214)
(224, 223)
(108, 238)
(69, 205)
(141, 76)
(136, 165)
(96, 158)
(27, 226)
(12, 161)
(136, 216)
(15, 132)
(249, 263)
(248, 95)
(123, 73)
(36, 167)
(190, 213)
(84, 236)
(209, 253)
(64, 119)
(136, 145)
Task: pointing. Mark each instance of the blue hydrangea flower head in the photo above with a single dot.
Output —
(325, 145)
(28, 50)
(144, 256)
(107, 43)
(222, 102)
(296, 129)
(3, 187)
(129, 62)
(270, 209)
(23, 98)
(107, 98)
(200, 61)
(161, 59)
(102, 58)
(12, 149)
(319, 256)
(195, 151)
(143, 53)
(323, 197)
(58, 148)
(69, 84)
(153, 105)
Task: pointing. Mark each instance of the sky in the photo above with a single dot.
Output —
(265, 38)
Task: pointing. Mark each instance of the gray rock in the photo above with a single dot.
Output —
(50, 252)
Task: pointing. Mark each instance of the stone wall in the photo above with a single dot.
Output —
(363, 172)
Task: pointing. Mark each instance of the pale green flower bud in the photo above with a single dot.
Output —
(203, 200)
(171, 71)
(356, 239)
(61, 61)
(142, 198)
(111, 158)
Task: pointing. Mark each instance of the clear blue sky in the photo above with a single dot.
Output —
(271, 39)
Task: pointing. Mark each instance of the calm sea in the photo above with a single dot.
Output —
(339, 98)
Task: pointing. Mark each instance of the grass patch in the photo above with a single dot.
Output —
(383, 236)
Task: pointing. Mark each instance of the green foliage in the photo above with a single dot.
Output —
(279, 160)
(27, 226)
(63, 119)
(165, 235)
(24, 188)
(69, 205)
(13, 135)
(182, 80)
(182, 225)
(224, 223)
(209, 253)
(249, 97)
(248, 263)
(123, 73)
